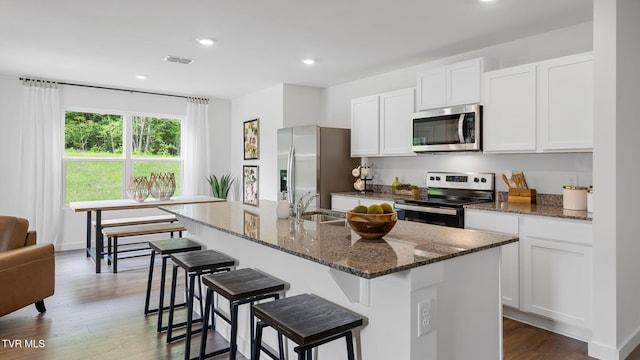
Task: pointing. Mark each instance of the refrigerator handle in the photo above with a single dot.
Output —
(290, 177)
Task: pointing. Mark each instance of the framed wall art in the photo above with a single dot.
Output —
(251, 225)
(250, 181)
(251, 142)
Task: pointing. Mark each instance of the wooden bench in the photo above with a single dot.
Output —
(114, 233)
(136, 221)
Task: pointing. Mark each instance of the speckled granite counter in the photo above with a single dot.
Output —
(532, 209)
(407, 246)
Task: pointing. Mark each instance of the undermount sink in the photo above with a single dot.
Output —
(324, 219)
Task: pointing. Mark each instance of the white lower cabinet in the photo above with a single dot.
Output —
(546, 276)
(510, 268)
(556, 269)
(345, 203)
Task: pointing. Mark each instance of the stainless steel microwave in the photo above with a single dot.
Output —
(448, 129)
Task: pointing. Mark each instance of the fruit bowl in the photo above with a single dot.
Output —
(372, 226)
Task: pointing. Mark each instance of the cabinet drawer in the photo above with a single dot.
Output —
(574, 231)
(343, 203)
(490, 221)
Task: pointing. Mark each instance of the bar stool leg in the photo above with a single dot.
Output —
(256, 345)
(115, 254)
(205, 322)
(234, 332)
(172, 302)
(187, 349)
(350, 354)
(149, 280)
(163, 279)
(309, 354)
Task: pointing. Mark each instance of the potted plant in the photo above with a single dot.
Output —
(220, 187)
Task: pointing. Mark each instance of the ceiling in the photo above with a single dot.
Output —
(259, 43)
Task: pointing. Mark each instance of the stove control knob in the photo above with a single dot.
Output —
(437, 178)
(431, 178)
(476, 180)
(484, 180)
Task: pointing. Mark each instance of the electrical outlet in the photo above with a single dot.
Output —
(425, 316)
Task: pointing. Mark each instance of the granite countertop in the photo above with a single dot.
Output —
(533, 209)
(548, 205)
(334, 244)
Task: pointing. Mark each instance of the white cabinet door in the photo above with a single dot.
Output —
(431, 89)
(396, 108)
(565, 103)
(449, 85)
(365, 118)
(556, 269)
(510, 264)
(463, 82)
(343, 203)
(509, 112)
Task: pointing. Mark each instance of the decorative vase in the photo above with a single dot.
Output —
(138, 188)
(162, 185)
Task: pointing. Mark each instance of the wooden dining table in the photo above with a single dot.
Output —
(98, 206)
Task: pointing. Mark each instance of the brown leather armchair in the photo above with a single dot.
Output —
(27, 270)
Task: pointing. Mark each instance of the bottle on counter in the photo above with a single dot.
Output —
(396, 183)
(282, 209)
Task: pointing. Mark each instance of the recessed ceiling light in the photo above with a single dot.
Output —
(205, 41)
(142, 76)
(308, 61)
(486, 0)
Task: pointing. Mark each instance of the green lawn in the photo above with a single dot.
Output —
(101, 180)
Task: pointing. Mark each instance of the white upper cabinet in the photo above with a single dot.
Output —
(540, 107)
(381, 124)
(396, 126)
(565, 103)
(509, 112)
(365, 118)
(449, 85)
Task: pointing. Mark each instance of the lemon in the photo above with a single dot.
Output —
(386, 208)
(374, 209)
(360, 209)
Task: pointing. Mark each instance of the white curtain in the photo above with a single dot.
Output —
(196, 149)
(40, 193)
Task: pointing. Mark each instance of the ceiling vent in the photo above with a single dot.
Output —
(178, 60)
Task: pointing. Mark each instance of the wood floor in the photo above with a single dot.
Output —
(100, 316)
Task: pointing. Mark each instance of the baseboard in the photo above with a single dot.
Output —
(602, 352)
(630, 343)
(571, 331)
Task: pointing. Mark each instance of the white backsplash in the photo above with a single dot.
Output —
(547, 173)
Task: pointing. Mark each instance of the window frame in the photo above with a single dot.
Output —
(127, 160)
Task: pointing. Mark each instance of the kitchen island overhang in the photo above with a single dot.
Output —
(427, 291)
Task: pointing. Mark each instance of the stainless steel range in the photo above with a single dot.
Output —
(447, 194)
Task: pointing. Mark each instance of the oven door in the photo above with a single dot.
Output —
(448, 129)
(445, 216)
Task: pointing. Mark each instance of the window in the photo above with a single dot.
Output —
(103, 150)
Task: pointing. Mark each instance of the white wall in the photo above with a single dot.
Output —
(73, 227)
(547, 173)
(616, 324)
(303, 105)
(266, 105)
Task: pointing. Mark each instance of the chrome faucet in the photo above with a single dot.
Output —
(300, 207)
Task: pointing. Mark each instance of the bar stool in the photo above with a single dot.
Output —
(244, 286)
(195, 264)
(309, 321)
(165, 248)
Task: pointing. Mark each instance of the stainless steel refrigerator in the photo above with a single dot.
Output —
(315, 159)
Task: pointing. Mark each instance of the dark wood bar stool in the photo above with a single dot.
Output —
(309, 321)
(165, 248)
(244, 286)
(195, 264)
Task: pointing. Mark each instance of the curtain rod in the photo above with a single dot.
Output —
(117, 89)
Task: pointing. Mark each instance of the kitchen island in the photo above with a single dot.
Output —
(427, 292)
